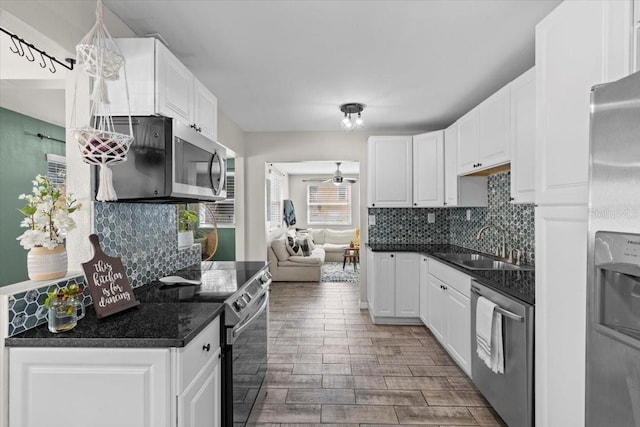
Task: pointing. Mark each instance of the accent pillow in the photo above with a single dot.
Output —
(293, 247)
(279, 247)
(303, 244)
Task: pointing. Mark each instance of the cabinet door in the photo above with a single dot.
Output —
(428, 169)
(371, 279)
(407, 281)
(115, 387)
(523, 137)
(458, 328)
(560, 323)
(205, 111)
(493, 129)
(424, 286)
(468, 142)
(390, 171)
(174, 86)
(200, 404)
(451, 165)
(384, 285)
(577, 47)
(436, 309)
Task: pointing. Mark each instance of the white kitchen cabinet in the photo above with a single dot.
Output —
(578, 45)
(435, 303)
(76, 387)
(460, 191)
(523, 137)
(390, 171)
(160, 84)
(146, 387)
(428, 169)
(483, 134)
(200, 403)
(560, 323)
(468, 142)
(424, 290)
(394, 291)
(494, 121)
(449, 311)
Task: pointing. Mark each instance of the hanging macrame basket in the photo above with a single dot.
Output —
(99, 143)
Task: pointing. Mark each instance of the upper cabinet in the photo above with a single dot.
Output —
(428, 169)
(578, 45)
(483, 134)
(523, 138)
(390, 171)
(462, 191)
(160, 84)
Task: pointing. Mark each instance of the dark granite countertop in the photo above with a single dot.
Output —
(159, 321)
(517, 284)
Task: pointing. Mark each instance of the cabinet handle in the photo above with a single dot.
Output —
(415, 204)
(479, 164)
(391, 255)
(444, 203)
(206, 347)
(512, 198)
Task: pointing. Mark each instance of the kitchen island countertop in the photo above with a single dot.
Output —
(153, 323)
(514, 283)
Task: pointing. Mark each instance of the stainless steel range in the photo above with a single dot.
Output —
(244, 289)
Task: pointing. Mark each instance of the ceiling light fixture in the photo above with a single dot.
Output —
(352, 119)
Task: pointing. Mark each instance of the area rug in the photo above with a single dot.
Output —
(333, 272)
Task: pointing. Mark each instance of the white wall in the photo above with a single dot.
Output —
(298, 194)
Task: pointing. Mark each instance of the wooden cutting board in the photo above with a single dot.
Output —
(107, 282)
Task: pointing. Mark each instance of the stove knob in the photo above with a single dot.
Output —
(246, 297)
(239, 304)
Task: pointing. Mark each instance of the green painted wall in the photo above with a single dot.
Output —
(226, 245)
(22, 157)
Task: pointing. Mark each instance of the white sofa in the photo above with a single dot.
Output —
(329, 247)
(334, 242)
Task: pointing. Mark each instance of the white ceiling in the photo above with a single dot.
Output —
(288, 65)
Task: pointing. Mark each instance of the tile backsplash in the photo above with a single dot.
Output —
(145, 236)
(410, 225)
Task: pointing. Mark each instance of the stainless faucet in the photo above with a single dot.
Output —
(501, 251)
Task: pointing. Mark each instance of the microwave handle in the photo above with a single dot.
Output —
(215, 157)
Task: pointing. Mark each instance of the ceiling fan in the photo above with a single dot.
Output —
(336, 179)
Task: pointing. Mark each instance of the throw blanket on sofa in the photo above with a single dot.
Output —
(289, 212)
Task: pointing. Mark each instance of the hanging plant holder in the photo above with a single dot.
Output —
(99, 143)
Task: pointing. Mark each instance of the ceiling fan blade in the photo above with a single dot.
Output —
(350, 180)
(314, 179)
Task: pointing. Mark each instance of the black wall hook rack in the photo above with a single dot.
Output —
(22, 48)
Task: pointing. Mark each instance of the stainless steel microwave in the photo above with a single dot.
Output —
(168, 162)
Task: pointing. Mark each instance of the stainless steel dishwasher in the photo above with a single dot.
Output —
(511, 393)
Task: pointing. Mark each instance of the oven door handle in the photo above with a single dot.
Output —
(499, 309)
(237, 330)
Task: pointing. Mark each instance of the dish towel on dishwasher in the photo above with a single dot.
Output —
(489, 335)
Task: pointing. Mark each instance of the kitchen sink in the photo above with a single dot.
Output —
(481, 262)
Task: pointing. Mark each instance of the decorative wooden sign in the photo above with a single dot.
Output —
(107, 281)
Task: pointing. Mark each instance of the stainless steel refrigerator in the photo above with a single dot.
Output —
(613, 276)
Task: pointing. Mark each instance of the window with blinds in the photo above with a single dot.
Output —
(274, 199)
(223, 211)
(329, 205)
(56, 169)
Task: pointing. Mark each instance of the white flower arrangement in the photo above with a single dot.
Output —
(46, 215)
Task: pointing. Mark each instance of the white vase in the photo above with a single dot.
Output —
(47, 264)
(185, 238)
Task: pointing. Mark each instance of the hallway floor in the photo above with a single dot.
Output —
(329, 364)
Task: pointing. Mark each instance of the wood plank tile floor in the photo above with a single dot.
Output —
(330, 365)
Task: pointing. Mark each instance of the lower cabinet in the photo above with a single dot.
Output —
(106, 387)
(424, 283)
(449, 311)
(394, 288)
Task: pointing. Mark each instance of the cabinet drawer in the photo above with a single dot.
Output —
(193, 357)
(451, 277)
